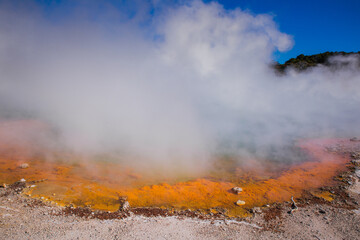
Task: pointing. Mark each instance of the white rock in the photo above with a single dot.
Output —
(256, 210)
(22, 180)
(240, 202)
(237, 190)
(24, 165)
(357, 173)
(124, 204)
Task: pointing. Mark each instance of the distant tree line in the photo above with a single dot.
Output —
(303, 62)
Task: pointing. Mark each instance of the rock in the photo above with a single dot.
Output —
(124, 204)
(256, 210)
(355, 162)
(357, 173)
(240, 202)
(18, 186)
(236, 190)
(355, 155)
(322, 211)
(24, 165)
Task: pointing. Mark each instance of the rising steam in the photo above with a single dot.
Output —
(170, 87)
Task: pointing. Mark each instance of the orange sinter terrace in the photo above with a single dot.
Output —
(66, 178)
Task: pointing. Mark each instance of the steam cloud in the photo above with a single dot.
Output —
(172, 87)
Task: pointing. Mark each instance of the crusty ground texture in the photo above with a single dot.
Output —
(25, 218)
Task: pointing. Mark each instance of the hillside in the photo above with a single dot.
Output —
(303, 62)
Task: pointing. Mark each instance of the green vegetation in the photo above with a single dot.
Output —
(303, 62)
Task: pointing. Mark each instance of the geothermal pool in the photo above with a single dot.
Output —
(67, 178)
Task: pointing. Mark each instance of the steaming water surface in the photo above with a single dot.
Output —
(71, 179)
(172, 91)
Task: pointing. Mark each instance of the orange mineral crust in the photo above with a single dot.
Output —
(67, 178)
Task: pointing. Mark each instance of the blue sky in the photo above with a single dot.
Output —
(316, 25)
